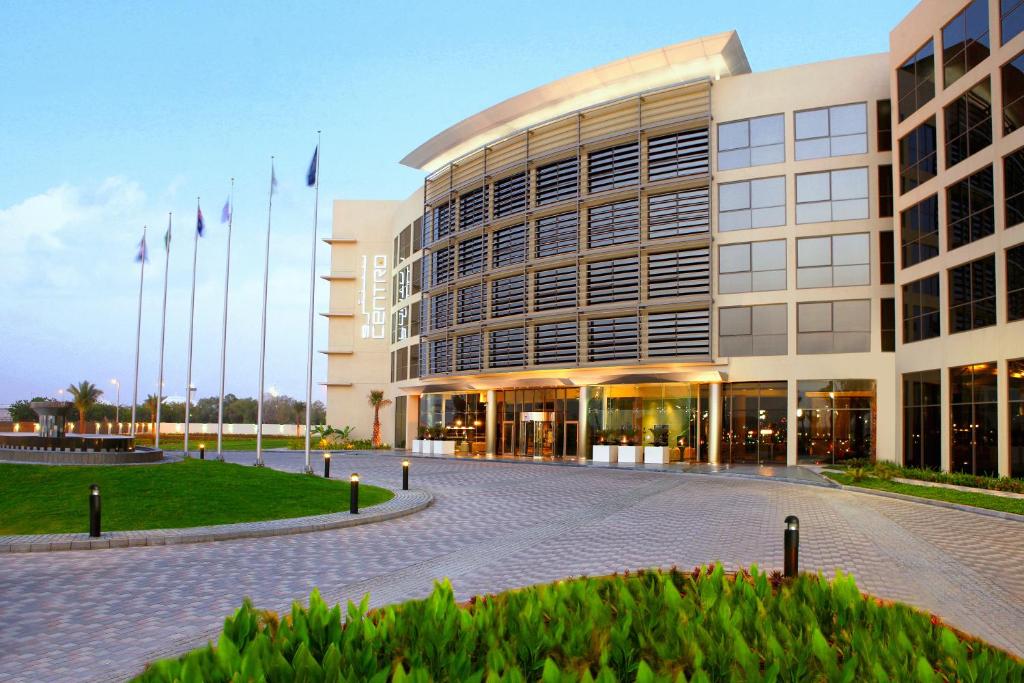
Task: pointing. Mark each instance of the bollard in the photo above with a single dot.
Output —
(202, 451)
(94, 511)
(327, 465)
(791, 547)
(353, 494)
(405, 475)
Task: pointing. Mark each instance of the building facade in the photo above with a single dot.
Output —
(671, 252)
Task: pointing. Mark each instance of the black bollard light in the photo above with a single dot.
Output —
(405, 475)
(94, 511)
(353, 494)
(202, 451)
(791, 547)
(327, 465)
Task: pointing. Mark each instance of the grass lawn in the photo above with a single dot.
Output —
(980, 500)
(175, 442)
(40, 499)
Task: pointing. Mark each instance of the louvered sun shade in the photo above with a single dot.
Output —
(678, 273)
(614, 167)
(679, 333)
(440, 311)
(471, 256)
(440, 356)
(615, 280)
(612, 224)
(469, 352)
(678, 155)
(471, 304)
(472, 209)
(441, 266)
(613, 339)
(437, 223)
(555, 288)
(558, 234)
(507, 348)
(677, 214)
(508, 296)
(557, 182)
(510, 195)
(555, 343)
(508, 246)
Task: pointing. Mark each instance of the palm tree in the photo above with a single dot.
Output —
(86, 394)
(378, 401)
(150, 403)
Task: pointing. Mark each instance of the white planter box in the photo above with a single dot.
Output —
(417, 446)
(659, 455)
(628, 453)
(606, 453)
(444, 448)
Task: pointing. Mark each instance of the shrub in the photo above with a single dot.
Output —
(651, 626)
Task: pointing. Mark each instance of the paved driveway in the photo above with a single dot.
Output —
(103, 614)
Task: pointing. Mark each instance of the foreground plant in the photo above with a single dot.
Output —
(651, 626)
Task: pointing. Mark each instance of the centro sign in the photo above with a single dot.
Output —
(373, 296)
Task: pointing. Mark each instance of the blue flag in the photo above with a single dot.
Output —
(311, 174)
(143, 255)
(225, 213)
(200, 226)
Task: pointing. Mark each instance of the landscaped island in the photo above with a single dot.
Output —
(651, 626)
(37, 499)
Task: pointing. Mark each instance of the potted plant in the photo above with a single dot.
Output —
(421, 444)
(657, 451)
(443, 443)
(628, 451)
(602, 451)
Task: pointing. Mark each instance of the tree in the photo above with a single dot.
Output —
(85, 396)
(378, 401)
(21, 411)
(150, 404)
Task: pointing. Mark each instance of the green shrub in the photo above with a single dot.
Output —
(960, 479)
(854, 463)
(652, 626)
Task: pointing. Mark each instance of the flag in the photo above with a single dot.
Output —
(167, 238)
(225, 213)
(273, 180)
(142, 256)
(311, 174)
(200, 226)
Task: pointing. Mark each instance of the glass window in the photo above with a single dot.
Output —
(836, 261)
(885, 191)
(1011, 18)
(752, 267)
(918, 156)
(1015, 283)
(965, 41)
(1013, 187)
(970, 213)
(832, 196)
(751, 142)
(884, 111)
(888, 313)
(470, 304)
(833, 326)
(1016, 377)
(887, 257)
(972, 295)
(832, 131)
(747, 204)
(922, 419)
(754, 422)
(752, 331)
(968, 123)
(471, 256)
(1013, 94)
(469, 352)
(921, 309)
(835, 420)
(974, 426)
(508, 296)
(555, 343)
(919, 231)
(915, 81)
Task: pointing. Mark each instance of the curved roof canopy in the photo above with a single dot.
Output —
(707, 57)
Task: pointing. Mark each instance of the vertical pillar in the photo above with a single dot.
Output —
(947, 431)
(714, 422)
(1003, 416)
(412, 419)
(792, 422)
(491, 423)
(583, 428)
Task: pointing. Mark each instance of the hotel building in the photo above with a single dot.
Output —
(671, 251)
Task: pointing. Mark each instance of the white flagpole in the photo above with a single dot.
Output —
(263, 325)
(138, 331)
(312, 313)
(224, 330)
(163, 331)
(191, 320)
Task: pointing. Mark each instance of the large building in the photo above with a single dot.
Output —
(802, 265)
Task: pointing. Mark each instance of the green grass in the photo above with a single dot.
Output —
(40, 499)
(979, 500)
(175, 442)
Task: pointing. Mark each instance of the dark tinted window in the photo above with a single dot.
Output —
(508, 246)
(471, 304)
(1013, 187)
(507, 348)
(1013, 94)
(974, 424)
(613, 339)
(555, 288)
(615, 280)
(915, 81)
(1015, 283)
(555, 343)
(678, 273)
(922, 419)
(884, 110)
(469, 352)
(508, 296)
(921, 317)
(888, 326)
(919, 231)
(970, 214)
(887, 257)
(1011, 13)
(472, 209)
(471, 256)
(972, 295)
(510, 195)
(965, 41)
(918, 156)
(679, 333)
(968, 123)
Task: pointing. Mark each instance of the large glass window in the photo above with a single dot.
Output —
(885, 191)
(471, 256)
(886, 257)
(752, 331)
(747, 204)
(922, 419)
(754, 422)
(833, 326)
(968, 123)
(832, 131)
(974, 424)
(555, 343)
(918, 157)
(1013, 187)
(888, 315)
(1015, 283)
(469, 352)
(970, 212)
(836, 261)
(1016, 378)
(1013, 94)
(555, 288)
(832, 196)
(919, 231)
(471, 304)
(752, 267)
(835, 420)
(965, 41)
(508, 296)
(883, 108)
(401, 408)
(1011, 18)
(921, 317)
(972, 295)
(915, 81)
(751, 142)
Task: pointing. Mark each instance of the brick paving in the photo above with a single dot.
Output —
(101, 614)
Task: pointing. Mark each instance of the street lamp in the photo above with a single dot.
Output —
(117, 411)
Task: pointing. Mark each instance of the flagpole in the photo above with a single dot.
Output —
(312, 300)
(224, 330)
(138, 331)
(163, 330)
(191, 321)
(263, 324)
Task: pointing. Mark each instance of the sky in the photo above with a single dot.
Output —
(114, 114)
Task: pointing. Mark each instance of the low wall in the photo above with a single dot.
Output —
(139, 455)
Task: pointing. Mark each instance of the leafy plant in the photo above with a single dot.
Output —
(84, 396)
(331, 437)
(858, 473)
(377, 400)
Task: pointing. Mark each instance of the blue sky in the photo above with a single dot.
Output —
(115, 113)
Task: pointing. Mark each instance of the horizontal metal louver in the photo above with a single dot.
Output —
(507, 348)
(469, 352)
(615, 280)
(440, 311)
(440, 356)
(471, 256)
(437, 223)
(678, 213)
(472, 209)
(679, 333)
(614, 167)
(558, 234)
(557, 182)
(678, 155)
(508, 246)
(442, 266)
(613, 339)
(422, 362)
(555, 343)
(679, 273)
(471, 304)
(508, 296)
(611, 224)
(554, 288)
(510, 195)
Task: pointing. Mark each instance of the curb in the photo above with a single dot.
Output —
(404, 503)
(1009, 516)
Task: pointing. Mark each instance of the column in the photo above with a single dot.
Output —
(714, 422)
(1003, 416)
(792, 422)
(412, 419)
(583, 428)
(491, 423)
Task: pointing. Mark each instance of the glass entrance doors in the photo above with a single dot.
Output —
(539, 423)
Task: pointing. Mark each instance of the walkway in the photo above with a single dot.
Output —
(100, 615)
